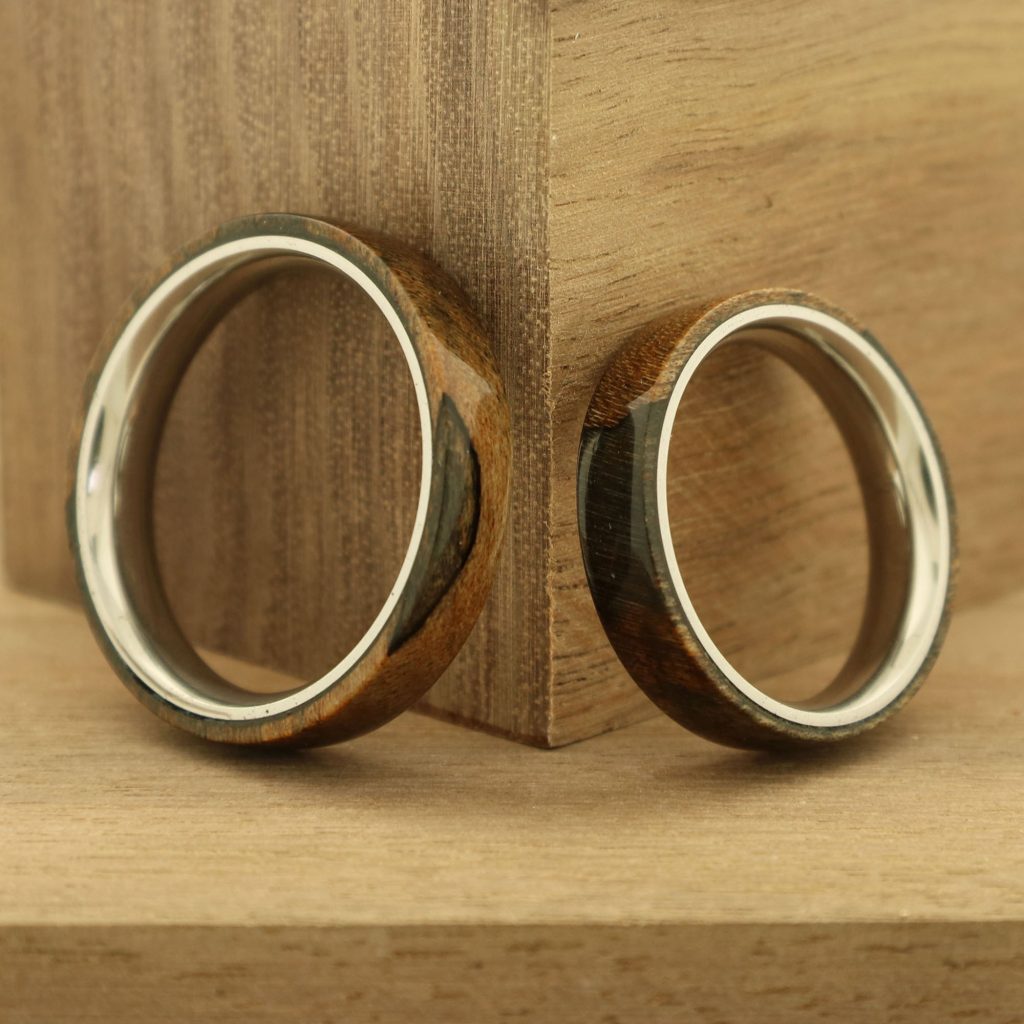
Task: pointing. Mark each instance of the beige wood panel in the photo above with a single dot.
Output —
(872, 153)
(645, 871)
(859, 973)
(288, 471)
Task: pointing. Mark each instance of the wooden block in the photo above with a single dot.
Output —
(869, 153)
(431, 872)
(580, 170)
(138, 126)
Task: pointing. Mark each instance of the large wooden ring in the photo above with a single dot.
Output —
(446, 573)
(628, 549)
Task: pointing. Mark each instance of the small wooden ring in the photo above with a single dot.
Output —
(446, 574)
(629, 554)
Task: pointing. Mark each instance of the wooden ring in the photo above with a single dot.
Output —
(630, 557)
(446, 573)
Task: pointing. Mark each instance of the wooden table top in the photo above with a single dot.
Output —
(442, 839)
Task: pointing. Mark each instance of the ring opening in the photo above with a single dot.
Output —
(280, 512)
(768, 521)
(905, 500)
(115, 477)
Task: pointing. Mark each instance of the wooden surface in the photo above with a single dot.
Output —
(640, 876)
(870, 153)
(288, 476)
(580, 169)
(630, 563)
(775, 974)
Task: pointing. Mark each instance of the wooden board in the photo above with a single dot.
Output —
(580, 169)
(872, 153)
(131, 128)
(553, 974)
(646, 875)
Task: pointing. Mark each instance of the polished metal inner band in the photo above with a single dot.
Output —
(905, 497)
(114, 478)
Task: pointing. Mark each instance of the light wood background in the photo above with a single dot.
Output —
(580, 169)
(437, 874)
(870, 152)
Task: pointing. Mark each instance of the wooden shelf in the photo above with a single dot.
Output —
(431, 871)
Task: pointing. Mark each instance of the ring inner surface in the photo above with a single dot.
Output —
(904, 500)
(116, 470)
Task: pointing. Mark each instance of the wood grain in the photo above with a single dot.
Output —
(872, 153)
(426, 862)
(581, 169)
(448, 572)
(630, 569)
(131, 129)
(860, 973)
(720, 534)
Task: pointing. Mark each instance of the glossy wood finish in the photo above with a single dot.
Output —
(623, 522)
(430, 873)
(454, 554)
